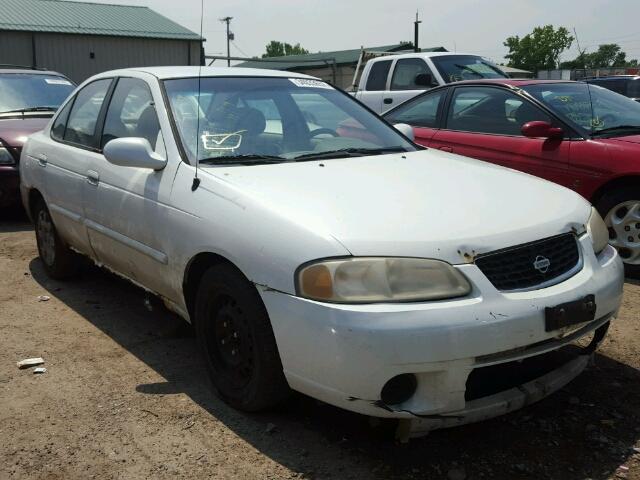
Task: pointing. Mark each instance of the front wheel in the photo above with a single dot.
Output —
(58, 260)
(621, 212)
(235, 335)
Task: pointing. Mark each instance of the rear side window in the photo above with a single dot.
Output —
(57, 131)
(81, 127)
(405, 73)
(422, 112)
(377, 80)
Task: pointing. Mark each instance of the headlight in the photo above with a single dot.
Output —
(5, 157)
(374, 280)
(598, 231)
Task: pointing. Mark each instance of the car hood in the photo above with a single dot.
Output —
(421, 204)
(14, 131)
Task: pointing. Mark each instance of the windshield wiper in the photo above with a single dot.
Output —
(618, 128)
(348, 152)
(242, 160)
(32, 109)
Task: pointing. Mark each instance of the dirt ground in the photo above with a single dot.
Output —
(125, 396)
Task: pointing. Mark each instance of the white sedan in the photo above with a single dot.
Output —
(328, 253)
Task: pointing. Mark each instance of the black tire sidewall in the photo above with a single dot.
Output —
(64, 265)
(267, 386)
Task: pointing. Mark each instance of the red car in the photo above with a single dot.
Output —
(582, 136)
(28, 100)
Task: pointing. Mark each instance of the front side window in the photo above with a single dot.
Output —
(81, 126)
(421, 112)
(491, 110)
(279, 118)
(377, 80)
(405, 73)
(595, 110)
(132, 113)
(27, 91)
(455, 68)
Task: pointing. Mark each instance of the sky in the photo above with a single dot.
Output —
(470, 26)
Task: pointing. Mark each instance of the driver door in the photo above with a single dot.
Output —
(485, 123)
(128, 217)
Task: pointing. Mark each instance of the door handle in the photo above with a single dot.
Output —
(42, 159)
(388, 100)
(93, 177)
(446, 149)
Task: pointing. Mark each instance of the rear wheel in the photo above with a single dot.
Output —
(58, 260)
(621, 212)
(235, 335)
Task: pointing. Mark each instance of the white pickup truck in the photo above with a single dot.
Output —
(390, 80)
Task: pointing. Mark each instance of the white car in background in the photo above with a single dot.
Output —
(390, 80)
(341, 261)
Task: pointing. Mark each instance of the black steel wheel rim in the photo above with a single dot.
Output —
(229, 343)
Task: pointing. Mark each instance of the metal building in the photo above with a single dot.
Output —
(80, 39)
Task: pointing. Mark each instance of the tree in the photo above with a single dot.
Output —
(607, 55)
(281, 49)
(538, 50)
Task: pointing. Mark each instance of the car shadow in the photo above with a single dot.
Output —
(587, 429)
(14, 219)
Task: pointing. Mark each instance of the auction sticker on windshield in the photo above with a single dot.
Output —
(310, 83)
(57, 81)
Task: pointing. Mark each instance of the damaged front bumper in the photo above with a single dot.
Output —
(345, 354)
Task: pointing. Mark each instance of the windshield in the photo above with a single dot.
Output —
(455, 68)
(274, 118)
(594, 109)
(19, 91)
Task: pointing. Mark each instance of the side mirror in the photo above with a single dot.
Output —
(424, 80)
(540, 129)
(133, 152)
(406, 130)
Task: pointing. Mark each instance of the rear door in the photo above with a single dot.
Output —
(67, 160)
(484, 122)
(376, 85)
(422, 113)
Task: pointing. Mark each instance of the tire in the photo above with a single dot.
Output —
(58, 260)
(235, 335)
(620, 209)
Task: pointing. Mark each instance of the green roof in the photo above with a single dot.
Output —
(320, 59)
(58, 16)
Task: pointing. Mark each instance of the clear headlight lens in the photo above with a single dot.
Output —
(375, 280)
(5, 157)
(598, 231)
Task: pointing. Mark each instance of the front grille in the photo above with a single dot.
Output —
(514, 268)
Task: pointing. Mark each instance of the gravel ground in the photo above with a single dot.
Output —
(125, 395)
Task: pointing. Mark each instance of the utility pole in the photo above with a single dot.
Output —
(230, 37)
(416, 48)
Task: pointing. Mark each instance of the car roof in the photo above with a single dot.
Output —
(425, 55)
(509, 82)
(29, 71)
(164, 73)
(612, 77)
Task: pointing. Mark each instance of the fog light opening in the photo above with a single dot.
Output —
(399, 389)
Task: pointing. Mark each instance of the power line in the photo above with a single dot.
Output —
(239, 49)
